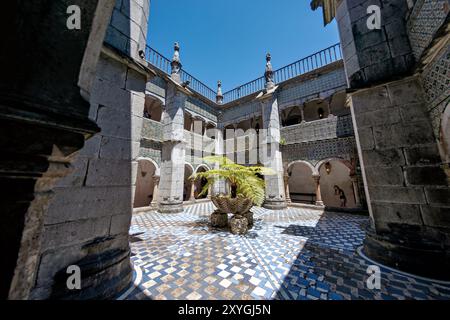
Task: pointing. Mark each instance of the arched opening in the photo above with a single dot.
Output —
(291, 116)
(145, 183)
(188, 122)
(187, 190)
(336, 184)
(301, 183)
(316, 110)
(153, 108)
(200, 184)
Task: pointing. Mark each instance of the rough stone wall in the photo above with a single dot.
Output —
(127, 31)
(406, 185)
(88, 221)
(424, 21)
(90, 214)
(374, 55)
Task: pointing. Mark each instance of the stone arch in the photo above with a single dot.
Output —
(337, 174)
(291, 116)
(147, 171)
(301, 182)
(312, 107)
(153, 108)
(199, 184)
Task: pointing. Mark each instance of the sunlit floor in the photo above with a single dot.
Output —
(292, 254)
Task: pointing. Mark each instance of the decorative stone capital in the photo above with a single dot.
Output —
(316, 178)
(219, 97)
(156, 179)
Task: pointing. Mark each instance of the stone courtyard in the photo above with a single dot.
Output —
(293, 254)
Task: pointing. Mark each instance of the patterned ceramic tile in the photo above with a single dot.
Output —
(291, 254)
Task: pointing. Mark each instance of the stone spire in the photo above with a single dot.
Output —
(176, 64)
(269, 73)
(219, 97)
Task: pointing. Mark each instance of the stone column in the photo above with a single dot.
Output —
(156, 180)
(219, 186)
(271, 154)
(173, 144)
(192, 197)
(406, 188)
(302, 111)
(319, 201)
(354, 179)
(288, 193)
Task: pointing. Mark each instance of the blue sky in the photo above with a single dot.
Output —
(228, 39)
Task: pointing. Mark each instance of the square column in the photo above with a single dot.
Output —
(173, 151)
(271, 156)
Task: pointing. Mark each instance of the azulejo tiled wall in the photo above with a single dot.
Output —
(315, 151)
(425, 19)
(436, 82)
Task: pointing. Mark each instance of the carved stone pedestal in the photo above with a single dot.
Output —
(249, 217)
(219, 219)
(239, 225)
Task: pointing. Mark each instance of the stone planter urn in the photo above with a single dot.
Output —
(219, 219)
(239, 207)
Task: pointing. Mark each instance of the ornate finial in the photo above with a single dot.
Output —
(269, 73)
(176, 63)
(219, 97)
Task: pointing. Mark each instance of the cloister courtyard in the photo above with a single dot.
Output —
(293, 254)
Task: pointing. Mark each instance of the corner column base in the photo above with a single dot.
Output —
(275, 204)
(424, 259)
(171, 208)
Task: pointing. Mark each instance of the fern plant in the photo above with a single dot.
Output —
(244, 181)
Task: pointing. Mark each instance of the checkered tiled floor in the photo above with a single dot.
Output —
(291, 254)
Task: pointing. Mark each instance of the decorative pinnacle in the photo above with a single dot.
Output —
(269, 73)
(176, 64)
(219, 97)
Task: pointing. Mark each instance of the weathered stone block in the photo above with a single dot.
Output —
(436, 216)
(370, 100)
(426, 176)
(75, 232)
(403, 135)
(120, 224)
(109, 172)
(397, 213)
(407, 195)
(413, 112)
(366, 138)
(387, 157)
(405, 92)
(438, 196)
(384, 176)
(378, 118)
(425, 155)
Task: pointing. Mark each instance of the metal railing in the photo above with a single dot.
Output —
(302, 66)
(162, 63)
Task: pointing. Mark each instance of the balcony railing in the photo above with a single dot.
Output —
(302, 66)
(162, 63)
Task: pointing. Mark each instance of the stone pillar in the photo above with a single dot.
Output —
(271, 155)
(319, 201)
(406, 188)
(156, 180)
(192, 197)
(173, 145)
(219, 187)
(288, 193)
(302, 111)
(354, 179)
